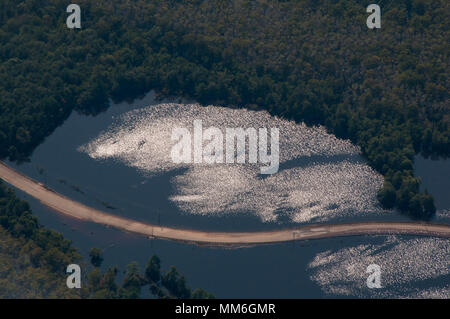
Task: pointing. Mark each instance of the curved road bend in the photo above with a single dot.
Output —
(75, 209)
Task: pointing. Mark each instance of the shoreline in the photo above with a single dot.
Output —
(69, 207)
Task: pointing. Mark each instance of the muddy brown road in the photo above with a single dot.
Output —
(77, 210)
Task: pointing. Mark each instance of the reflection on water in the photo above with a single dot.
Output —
(320, 178)
(417, 267)
(411, 267)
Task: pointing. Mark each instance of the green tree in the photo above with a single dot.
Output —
(94, 280)
(201, 294)
(96, 256)
(429, 208)
(415, 206)
(153, 269)
(387, 195)
(132, 282)
(175, 283)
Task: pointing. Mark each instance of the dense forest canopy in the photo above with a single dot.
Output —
(309, 60)
(33, 259)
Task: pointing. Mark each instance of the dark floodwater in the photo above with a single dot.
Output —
(278, 271)
(114, 187)
(435, 176)
(268, 271)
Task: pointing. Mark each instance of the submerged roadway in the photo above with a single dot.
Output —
(78, 210)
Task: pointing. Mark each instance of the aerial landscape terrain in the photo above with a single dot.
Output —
(203, 149)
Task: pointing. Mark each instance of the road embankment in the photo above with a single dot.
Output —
(66, 206)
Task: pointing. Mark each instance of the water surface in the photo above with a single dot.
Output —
(333, 181)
